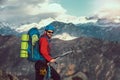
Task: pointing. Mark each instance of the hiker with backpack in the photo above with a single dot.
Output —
(36, 48)
(42, 67)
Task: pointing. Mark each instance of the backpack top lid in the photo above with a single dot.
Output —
(33, 31)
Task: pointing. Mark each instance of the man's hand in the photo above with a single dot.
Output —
(52, 60)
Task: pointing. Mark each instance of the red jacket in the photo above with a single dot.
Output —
(44, 47)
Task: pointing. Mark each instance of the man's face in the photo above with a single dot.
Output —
(49, 33)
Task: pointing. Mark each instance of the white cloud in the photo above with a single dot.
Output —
(44, 8)
(109, 9)
(25, 10)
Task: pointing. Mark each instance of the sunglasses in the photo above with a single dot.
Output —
(50, 32)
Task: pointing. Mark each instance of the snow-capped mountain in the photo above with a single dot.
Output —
(102, 29)
(44, 22)
(95, 30)
(39, 25)
(103, 22)
(7, 29)
(106, 23)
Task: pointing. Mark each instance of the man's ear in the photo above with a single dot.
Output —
(45, 32)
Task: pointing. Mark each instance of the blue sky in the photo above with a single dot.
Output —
(31, 11)
(90, 7)
(78, 7)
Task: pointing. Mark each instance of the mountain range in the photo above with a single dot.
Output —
(95, 50)
(101, 29)
(91, 59)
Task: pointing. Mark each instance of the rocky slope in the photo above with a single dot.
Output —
(91, 59)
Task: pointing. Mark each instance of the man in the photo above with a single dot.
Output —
(44, 47)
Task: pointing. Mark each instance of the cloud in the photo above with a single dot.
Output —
(2, 1)
(44, 8)
(109, 9)
(20, 11)
(109, 13)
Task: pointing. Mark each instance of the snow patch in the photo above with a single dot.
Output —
(64, 36)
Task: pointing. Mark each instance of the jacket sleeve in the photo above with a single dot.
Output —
(44, 49)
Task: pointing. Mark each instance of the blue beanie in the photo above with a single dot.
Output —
(49, 27)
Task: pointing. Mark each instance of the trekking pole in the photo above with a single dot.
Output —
(64, 54)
